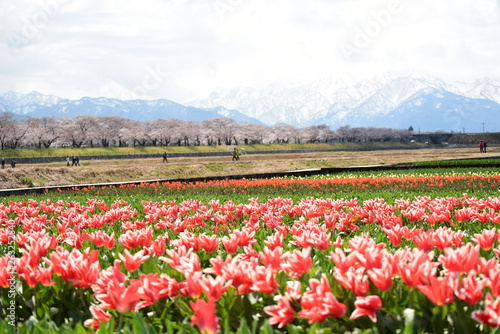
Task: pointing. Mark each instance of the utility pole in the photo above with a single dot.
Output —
(483, 127)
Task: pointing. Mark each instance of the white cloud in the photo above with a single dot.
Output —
(76, 48)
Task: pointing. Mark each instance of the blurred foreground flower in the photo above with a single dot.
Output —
(204, 316)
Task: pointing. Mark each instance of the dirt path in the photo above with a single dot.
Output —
(98, 171)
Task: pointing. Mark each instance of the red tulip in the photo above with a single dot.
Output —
(183, 260)
(275, 240)
(414, 266)
(382, 277)
(298, 263)
(353, 279)
(470, 289)
(7, 270)
(133, 262)
(99, 238)
(80, 269)
(204, 316)
(486, 239)
(273, 258)
(158, 246)
(99, 316)
(214, 288)
(281, 313)
(209, 243)
(111, 291)
(368, 306)
(318, 302)
(134, 239)
(230, 244)
(263, 280)
(491, 315)
(461, 260)
(440, 290)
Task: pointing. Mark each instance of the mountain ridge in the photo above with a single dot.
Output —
(395, 101)
(362, 103)
(39, 105)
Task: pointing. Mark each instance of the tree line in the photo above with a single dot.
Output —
(114, 131)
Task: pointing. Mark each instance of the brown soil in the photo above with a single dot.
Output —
(101, 171)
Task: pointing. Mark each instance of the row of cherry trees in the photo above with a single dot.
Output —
(92, 131)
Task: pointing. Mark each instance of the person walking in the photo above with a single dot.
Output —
(484, 147)
(481, 146)
(165, 157)
(3, 163)
(67, 160)
(13, 163)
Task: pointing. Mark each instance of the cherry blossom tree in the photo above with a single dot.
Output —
(11, 131)
(107, 130)
(138, 133)
(161, 131)
(187, 133)
(284, 134)
(78, 130)
(318, 133)
(219, 131)
(344, 133)
(43, 132)
(250, 133)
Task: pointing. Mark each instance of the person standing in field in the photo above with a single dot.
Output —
(481, 146)
(75, 161)
(236, 154)
(13, 163)
(165, 157)
(484, 147)
(3, 163)
(67, 160)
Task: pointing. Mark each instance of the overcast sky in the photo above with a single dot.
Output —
(185, 49)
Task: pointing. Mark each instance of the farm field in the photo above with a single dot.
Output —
(362, 252)
(101, 171)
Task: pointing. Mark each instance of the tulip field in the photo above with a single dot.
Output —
(380, 252)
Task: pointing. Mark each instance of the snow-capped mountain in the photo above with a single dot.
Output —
(31, 99)
(39, 105)
(395, 101)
